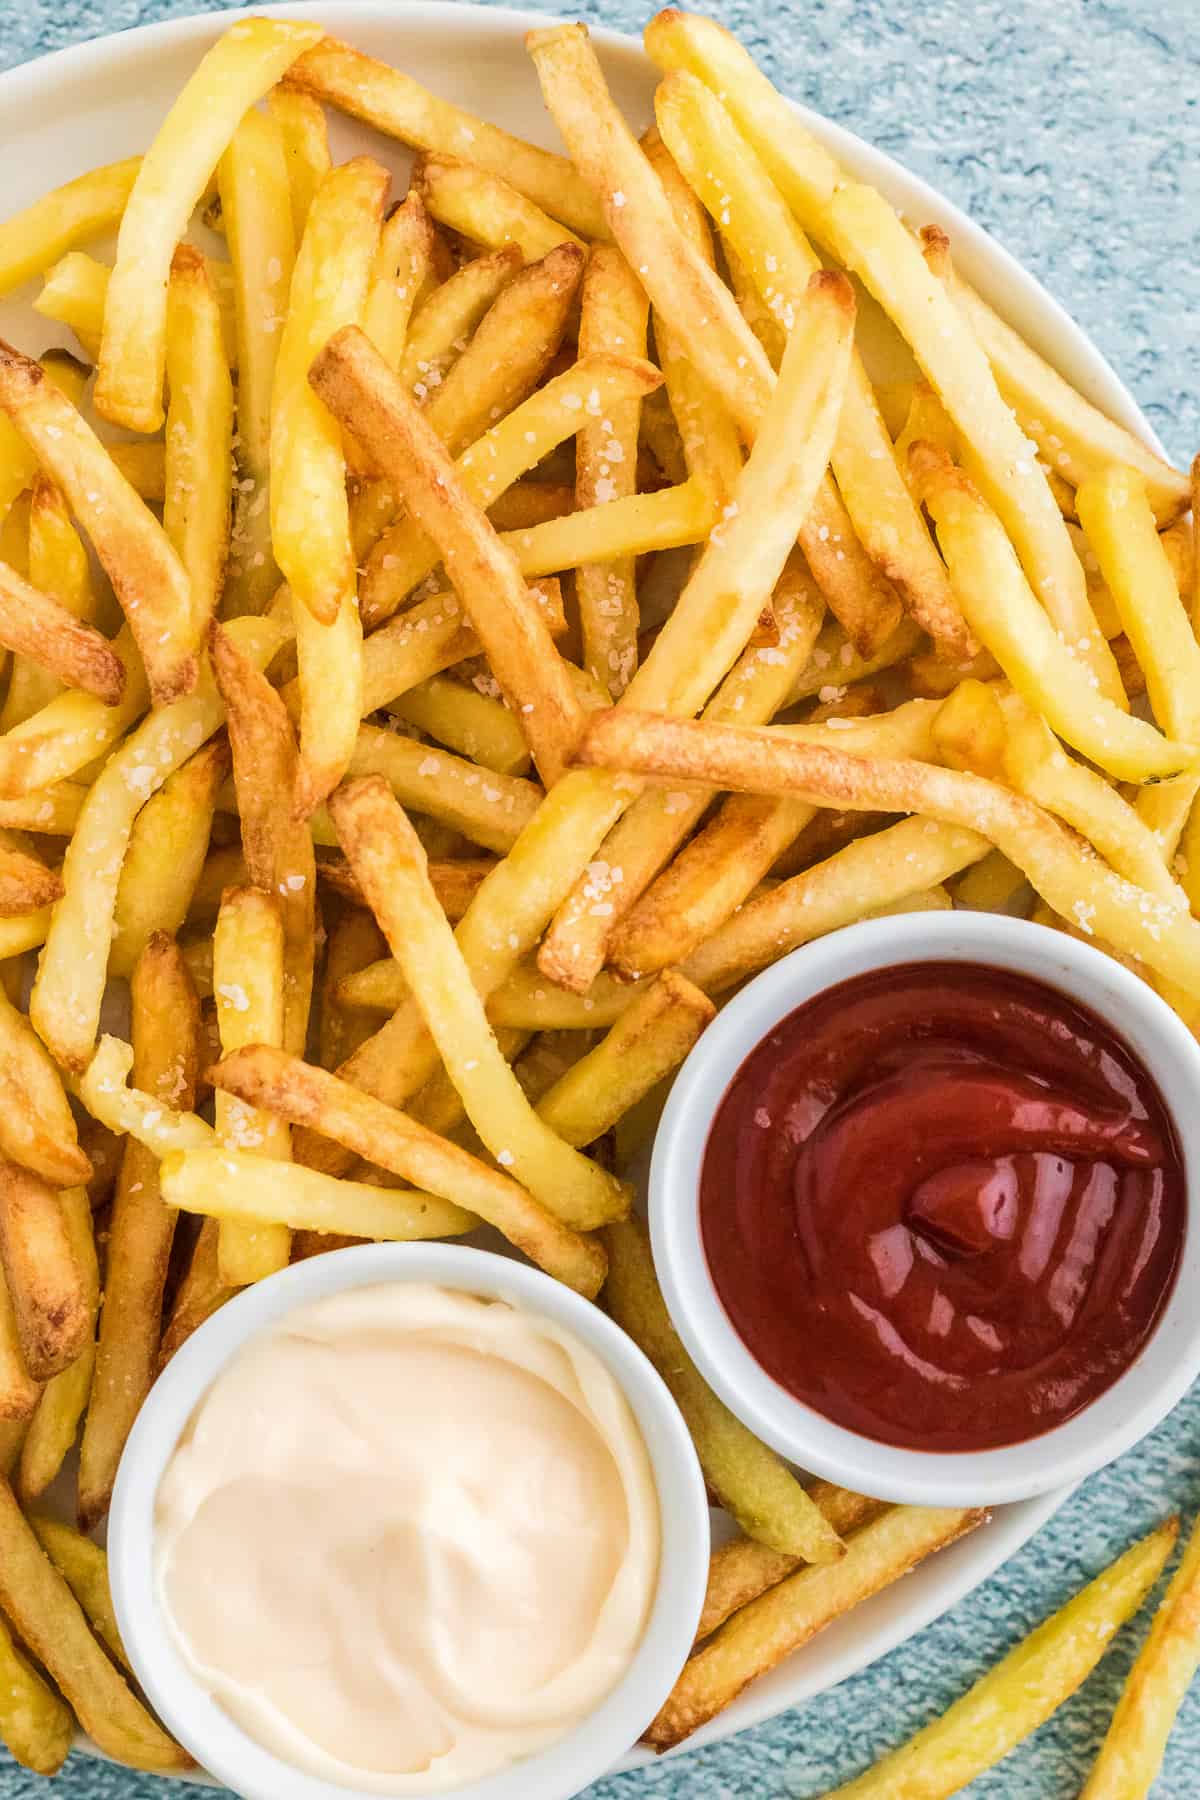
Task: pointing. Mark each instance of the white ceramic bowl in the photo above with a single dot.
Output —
(564, 1768)
(1116, 1419)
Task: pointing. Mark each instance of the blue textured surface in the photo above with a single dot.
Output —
(1071, 129)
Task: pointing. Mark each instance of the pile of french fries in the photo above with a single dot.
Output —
(452, 641)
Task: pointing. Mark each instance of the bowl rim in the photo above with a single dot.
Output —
(1116, 1419)
(589, 1749)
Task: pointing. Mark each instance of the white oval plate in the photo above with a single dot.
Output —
(103, 100)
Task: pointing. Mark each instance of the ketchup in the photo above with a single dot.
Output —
(943, 1205)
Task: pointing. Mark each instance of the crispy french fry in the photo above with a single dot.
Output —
(40, 627)
(1132, 1752)
(160, 1126)
(463, 719)
(62, 1401)
(360, 389)
(752, 1482)
(525, 1001)
(37, 1127)
(19, 1392)
(65, 1003)
(613, 317)
(201, 1293)
(758, 1637)
(449, 315)
(54, 811)
(72, 214)
(277, 847)
(83, 1565)
(26, 884)
(1004, 614)
(396, 104)
(45, 1280)
(390, 865)
(490, 809)
(970, 730)
(402, 268)
(199, 434)
(761, 761)
(74, 294)
(647, 1043)
(51, 1623)
(165, 855)
(239, 69)
(70, 731)
(256, 210)
(1114, 510)
(737, 190)
(355, 941)
(19, 463)
(487, 209)
(1013, 1699)
(58, 566)
(147, 576)
(308, 1096)
(248, 982)
(36, 1725)
(165, 1059)
(300, 120)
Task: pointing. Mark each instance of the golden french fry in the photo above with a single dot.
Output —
(19, 463)
(277, 847)
(132, 1112)
(40, 627)
(70, 731)
(62, 1401)
(402, 268)
(526, 1001)
(256, 211)
(449, 315)
(355, 941)
(1114, 510)
(396, 104)
(74, 293)
(300, 120)
(390, 865)
(238, 71)
(487, 209)
(199, 434)
(1013, 1698)
(45, 1281)
(1132, 1752)
(308, 1096)
(83, 1565)
(970, 730)
(26, 884)
(762, 761)
(463, 719)
(57, 565)
(147, 576)
(51, 1623)
(758, 1637)
(1007, 619)
(37, 1127)
(488, 808)
(165, 855)
(36, 1726)
(19, 1392)
(752, 1483)
(248, 983)
(81, 209)
(613, 317)
(363, 392)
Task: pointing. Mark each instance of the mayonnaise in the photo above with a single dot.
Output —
(408, 1537)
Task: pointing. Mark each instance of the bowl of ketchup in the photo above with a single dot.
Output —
(920, 1203)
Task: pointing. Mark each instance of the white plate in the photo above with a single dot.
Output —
(103, 100)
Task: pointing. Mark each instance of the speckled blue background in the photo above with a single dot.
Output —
(1071, 129)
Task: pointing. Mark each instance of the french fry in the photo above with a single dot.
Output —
(144, 467)
(248, 982)
(19, 463)
(72, 214)
(758, 1637)
(1115, 512)
(201, 1293)
(430, 636)
(165, 855)
(449, 315)
(51, 1623)
(487, 209)
(455, 883)
(24, 933)
(490, 809)
(19, 1392)
(647, 1043)
(1068, 878)
(402, 269)
(277, 847)
(130, 1111)
(256, 210)
(58, 566)
(45, 1281)
(741, 1569)
(728, 177)
(355, 942)
(990, 885)
(751, 1481)
(229, 1184)
(40, 627)
(1005, 616)
(1013, 1698)
(404, 555)
(300, 120)
(36, 1725)
(463, 719)
(1132, 1752)
(308, 1096)
(199, 434)
(26, 884)
(147, 576)
(613, 317)
(238, 71)
(61, 1404)
(970, 730)
(65, 1003)
(390, 865)
(37, 1127)
(360, 389)
(83, 1565)
(525, 1001)
(54, 811)
(74, 294)
(70, 731)
(396, 104)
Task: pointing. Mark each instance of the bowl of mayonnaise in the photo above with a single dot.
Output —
(408, 1519)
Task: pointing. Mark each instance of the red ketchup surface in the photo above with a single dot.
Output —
(943, 1205)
